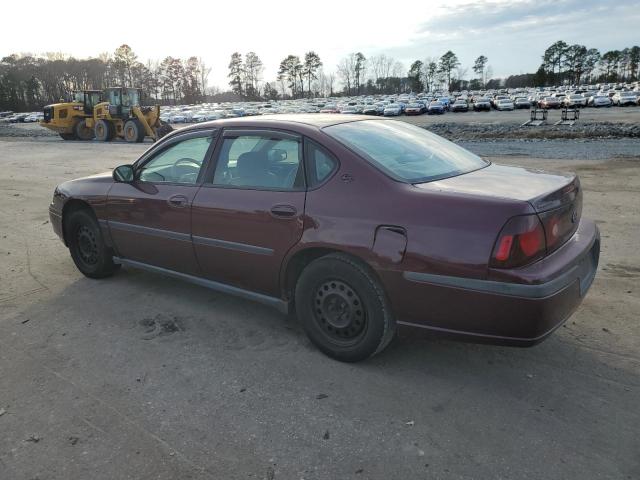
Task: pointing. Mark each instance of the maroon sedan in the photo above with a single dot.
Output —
(361, 225)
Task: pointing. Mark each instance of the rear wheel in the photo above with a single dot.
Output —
(343, 308)
(86, 245)
(103, 131)
(133, 131)
(82, 131)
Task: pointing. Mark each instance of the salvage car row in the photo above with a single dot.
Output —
(415, 104)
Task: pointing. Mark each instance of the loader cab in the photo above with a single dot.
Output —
(121, 100)
(88, 98)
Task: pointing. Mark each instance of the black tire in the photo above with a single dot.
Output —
(68, 136)
(86, 245)
(82, 132)
(133, 131)
(103, 131)
(163, 129)
(343, 308)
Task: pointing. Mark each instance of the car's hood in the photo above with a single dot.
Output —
(543, 190)
(92, 185)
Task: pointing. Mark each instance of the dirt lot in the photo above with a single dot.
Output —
(142, 377)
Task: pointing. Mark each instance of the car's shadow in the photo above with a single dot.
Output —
(147, 306)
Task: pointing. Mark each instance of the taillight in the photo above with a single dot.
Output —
(521, 241)
(561, 223)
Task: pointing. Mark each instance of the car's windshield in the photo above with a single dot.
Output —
(406, 152)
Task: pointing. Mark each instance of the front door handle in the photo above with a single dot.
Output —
(286, 211)
(178, 201)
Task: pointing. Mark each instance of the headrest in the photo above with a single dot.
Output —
(250, 163)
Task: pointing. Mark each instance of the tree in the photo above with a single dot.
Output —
(290, 69)
(124, 59)
(358, 70)
(270, 92)
(634, 62)
(609, 62)
(345, 72)
(236, 73)
(415, 75)
(311, 65)
(448, 62)
(172, 75)
(479, 65)
(253, 68)
(430, 73)
(553, 58)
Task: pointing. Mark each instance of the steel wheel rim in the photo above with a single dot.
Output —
(339, 312)
(87, 245)
(100, 130)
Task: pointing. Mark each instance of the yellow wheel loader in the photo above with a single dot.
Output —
(71, 120)
(121, 116)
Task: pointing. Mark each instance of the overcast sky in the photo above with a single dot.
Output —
(512, 34)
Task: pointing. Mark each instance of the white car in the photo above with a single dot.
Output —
(178, 118)
(504, 104)
(34, 117)
(620, 99)
(575, 100)
(199, 117)
(392, 110)
(601, 101)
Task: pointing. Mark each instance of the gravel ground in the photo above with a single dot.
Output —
(141, 377)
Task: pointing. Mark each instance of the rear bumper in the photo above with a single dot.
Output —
(498, 312)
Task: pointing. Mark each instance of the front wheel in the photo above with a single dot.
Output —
(343, 308)
(133, 131)
(87, 247)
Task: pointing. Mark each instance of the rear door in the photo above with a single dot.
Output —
(150, 218)
(249, 211)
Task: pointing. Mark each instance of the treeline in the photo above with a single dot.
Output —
(28, 82)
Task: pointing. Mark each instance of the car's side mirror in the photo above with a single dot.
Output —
(123, 174)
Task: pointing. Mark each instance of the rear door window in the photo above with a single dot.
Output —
(260, 161)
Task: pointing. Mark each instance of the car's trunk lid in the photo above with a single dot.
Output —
(556, 198)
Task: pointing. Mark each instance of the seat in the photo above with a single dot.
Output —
(252, 171)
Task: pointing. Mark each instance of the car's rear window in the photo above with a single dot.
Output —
(405, 152)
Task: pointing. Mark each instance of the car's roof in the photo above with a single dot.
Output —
(283, 120)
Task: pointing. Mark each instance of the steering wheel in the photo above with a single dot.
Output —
(175, 172)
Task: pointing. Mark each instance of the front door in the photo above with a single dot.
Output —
(150, 218)
(249, 213)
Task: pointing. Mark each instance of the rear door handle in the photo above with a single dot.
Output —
(178, 201)
(283, 211)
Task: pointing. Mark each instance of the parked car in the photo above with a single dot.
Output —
(435, 107)
(330, 108)
(414, 109)
(460, 106)
(600, 101)
(392, 110)
(623, 99)
(370, 110)
(575, 100)
(522, 103)
(549, 102)
(505, 104)
(457, 245)
(482, 103)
